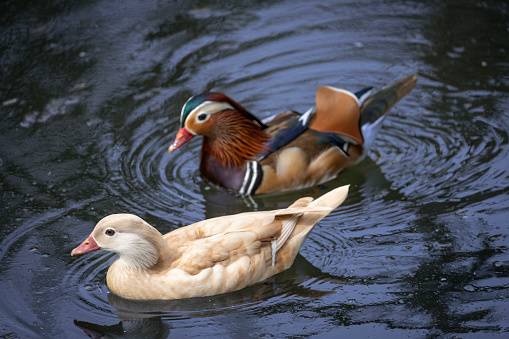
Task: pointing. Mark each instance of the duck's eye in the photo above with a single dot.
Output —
(202, 117)
(109, 232)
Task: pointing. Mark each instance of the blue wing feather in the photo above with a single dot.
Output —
(294, 125)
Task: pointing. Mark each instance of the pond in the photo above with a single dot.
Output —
(90, 98)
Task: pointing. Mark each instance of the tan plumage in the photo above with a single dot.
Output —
(210, 257)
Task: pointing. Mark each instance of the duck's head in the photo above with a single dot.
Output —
(208, 114)
(137, 244)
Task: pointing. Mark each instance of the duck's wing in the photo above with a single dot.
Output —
(214, 226)
(245, 235)
(250, 234)
(337, 111)
(335, 120)
(285, 128)
(223, 249)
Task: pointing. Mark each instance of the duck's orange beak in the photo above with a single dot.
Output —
(88, 245)
(182, 137)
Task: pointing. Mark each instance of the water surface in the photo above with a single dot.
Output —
(90, 99)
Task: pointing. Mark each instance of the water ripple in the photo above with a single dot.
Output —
(88, 273)
(150, 181)
(417, 249)
(437, 159)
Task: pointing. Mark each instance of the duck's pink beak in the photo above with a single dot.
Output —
(88, 245)
(182, 137)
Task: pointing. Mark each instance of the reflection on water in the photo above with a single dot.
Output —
(90, 96)
(146, 328)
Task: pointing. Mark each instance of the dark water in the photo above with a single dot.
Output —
(90, 97)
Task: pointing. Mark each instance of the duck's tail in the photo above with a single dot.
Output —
(310, 211)
(376, 104)
(331, 199)
(323, 205)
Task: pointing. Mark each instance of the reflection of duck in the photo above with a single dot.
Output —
(292, 151)
(210, 257)
(140, 328)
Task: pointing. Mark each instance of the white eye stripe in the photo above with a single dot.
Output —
(210, 107)
(206, 107)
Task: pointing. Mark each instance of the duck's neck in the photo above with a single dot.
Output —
(144, 254)
(234, 139)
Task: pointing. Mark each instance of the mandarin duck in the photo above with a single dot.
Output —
(248, 156)
(213, 256)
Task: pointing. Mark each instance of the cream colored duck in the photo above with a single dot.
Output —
(209, 257)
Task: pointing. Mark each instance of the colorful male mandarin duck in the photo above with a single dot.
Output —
(292, 151)
(209, 257)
